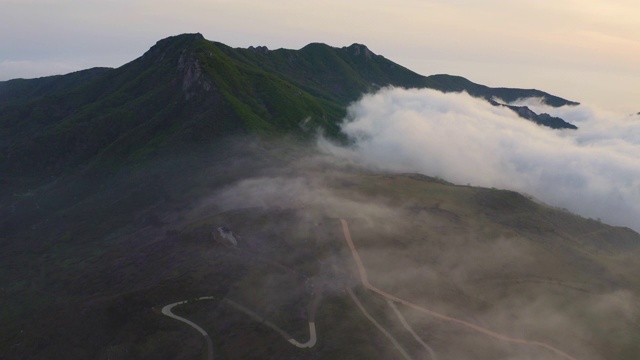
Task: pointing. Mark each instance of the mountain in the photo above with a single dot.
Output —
(175, 208)
(187, 90)
(89, 275)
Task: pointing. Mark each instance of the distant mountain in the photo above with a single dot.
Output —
(187, 90)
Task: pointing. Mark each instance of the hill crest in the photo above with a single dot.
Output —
(186, 89)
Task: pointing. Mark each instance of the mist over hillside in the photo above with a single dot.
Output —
(442, 247)
(592, 171)
(102, 258)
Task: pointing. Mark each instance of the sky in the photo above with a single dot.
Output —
(583, 50)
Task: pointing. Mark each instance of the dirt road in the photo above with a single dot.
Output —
(166, 310)
(384, 331)
(365, 282)
(432, 354)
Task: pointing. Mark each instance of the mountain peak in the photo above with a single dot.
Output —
(177, 41)
(358, 49)
(259, 49)
(185, 36)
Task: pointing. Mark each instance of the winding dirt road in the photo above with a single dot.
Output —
(365, 282)
(166, 310)
(409, 328)
(384, 331)
(312, 327)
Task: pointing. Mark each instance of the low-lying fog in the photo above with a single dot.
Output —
(593, 171)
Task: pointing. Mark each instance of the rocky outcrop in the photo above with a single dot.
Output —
(190, 71)
(540, 119)
(263, 50)
(359, 49)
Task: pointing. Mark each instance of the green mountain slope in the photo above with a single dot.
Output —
(188, 90)
(89, 279)
(21, 90)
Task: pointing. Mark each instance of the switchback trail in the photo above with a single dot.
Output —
(166, 310)
(395, 343)
(407, 326)
(313, 305)
(312, 327)
(365, 282)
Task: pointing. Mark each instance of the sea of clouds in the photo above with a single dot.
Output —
(593, 171)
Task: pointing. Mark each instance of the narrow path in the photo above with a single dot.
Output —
(285, 335)
(365, 282)
(374, 322)
(166, 310)
(432, 354)
(312, 338)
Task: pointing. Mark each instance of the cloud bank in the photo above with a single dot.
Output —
(594, 171)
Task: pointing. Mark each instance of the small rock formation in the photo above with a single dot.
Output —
(190, 71)
(259, 50)
(227, 234)
(357, 49)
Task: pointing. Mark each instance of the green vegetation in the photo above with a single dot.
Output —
(186, 90)
(97, 265)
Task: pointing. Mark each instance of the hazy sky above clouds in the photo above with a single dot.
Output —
(586, 50)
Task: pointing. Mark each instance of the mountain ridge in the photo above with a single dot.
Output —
(186, 89)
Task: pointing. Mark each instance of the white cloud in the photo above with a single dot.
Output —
(594, 171)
